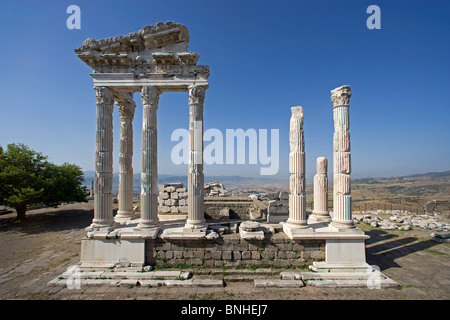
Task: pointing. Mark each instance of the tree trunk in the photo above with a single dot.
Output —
(21, 209)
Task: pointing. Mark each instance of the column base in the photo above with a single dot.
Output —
(123, 217)
(147, 231)
(320, 217)
(103, 225)
(195, 224)
(343, 224)
(294, 231)
(147, 224)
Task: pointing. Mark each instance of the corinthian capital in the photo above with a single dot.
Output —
(341, 95)
(150, 95)
(126, 110)
(196, 95)
(104, 95)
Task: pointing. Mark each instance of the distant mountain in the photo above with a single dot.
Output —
(167, 178)
(430, 176)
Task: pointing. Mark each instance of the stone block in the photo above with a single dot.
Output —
(176, 185)
(181, 190)
(297, 262)
(182, 195)
(174, 195)
(170, 202)
(285, 246)
(227, 255)
(216, 255)
(283, 195)
(199, 254)
(163, 245)
(183, 209)
(177, 254)
(255, 255)
(174, 210)
(164, 209)
(240, 246)
(268, 254)
(196, 262)
(247, 255)
(164, 195)
(105, 253)
(182, 202)
(274, 203)
(169, 189)
(237, 255)
(281, 262)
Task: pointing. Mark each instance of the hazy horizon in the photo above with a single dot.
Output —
(283, 54)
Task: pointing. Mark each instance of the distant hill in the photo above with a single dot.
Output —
(430, 176)
(167, 178)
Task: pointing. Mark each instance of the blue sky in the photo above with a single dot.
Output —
(265, 57)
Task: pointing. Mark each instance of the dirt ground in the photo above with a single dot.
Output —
(36, 251)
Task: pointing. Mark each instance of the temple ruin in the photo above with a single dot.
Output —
(156, 60)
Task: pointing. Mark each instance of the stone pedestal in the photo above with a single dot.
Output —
(105, 253)
(251, 230)
(149, 163)
(196, 215)
(320, 212)
(297, 198)
(342, 198)
(103, 198)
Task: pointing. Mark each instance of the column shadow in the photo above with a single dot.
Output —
(384, 248)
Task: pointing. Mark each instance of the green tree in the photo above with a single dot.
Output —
(27, 178)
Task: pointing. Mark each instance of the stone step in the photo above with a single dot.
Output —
(158, 274)
(336, 275)
(334, 283)
(137, 282)
(323, 267)
(278, 283)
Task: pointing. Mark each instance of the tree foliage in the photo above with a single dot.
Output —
(27, 178)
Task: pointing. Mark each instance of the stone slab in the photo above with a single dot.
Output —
(108, 252)
(279, 283)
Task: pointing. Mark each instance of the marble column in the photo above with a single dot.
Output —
(320, 212)
(103, 197)
(126, 212)
(297, 196)
(196, 217)
(342, 198)
(149, 161)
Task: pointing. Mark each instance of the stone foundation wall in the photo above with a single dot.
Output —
(230, 250)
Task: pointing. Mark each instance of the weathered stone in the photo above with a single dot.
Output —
(164, 195)
(250, 226)
(164, 209)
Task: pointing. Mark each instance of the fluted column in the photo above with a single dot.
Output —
(297, 196)
(103, 197)
(126, 111)
(149, 160)
(320, 212)
(342, 198)
(196, 218)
